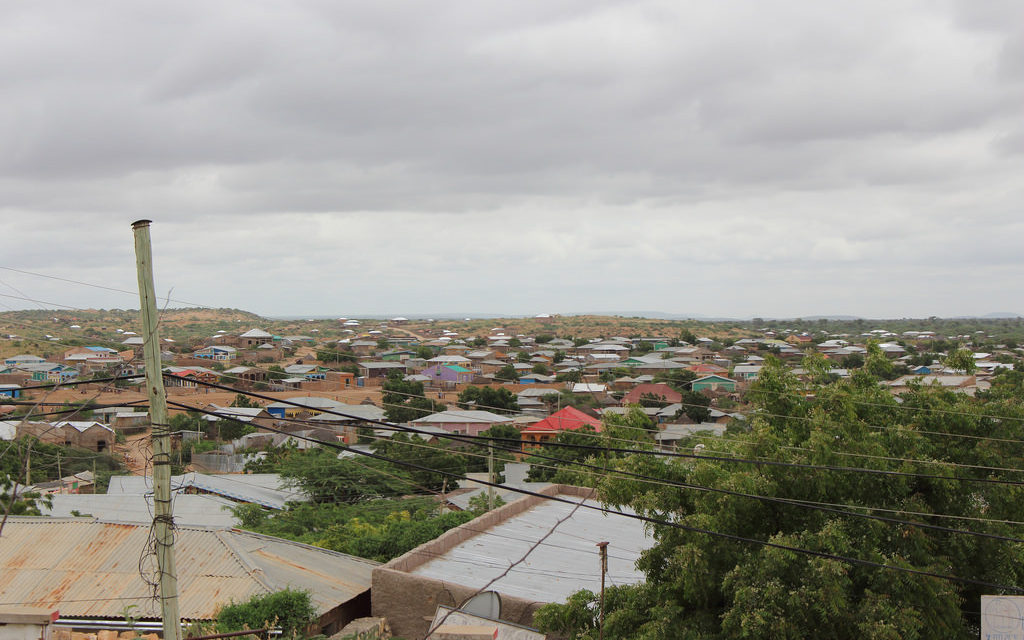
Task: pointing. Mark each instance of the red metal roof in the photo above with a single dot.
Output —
(656, 389)
(569, 418)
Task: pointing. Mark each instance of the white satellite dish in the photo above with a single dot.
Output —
(485, 605)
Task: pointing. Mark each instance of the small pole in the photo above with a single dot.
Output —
(60, 475)
(490, 475)
(28, 467)
(163, 518)
(603, 546)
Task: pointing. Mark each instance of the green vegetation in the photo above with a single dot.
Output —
(404, 401)
(488, 399)
(705, 586)
(291, 610)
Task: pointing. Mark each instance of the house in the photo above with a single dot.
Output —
(103, 355)
(746, 372)
(49, 372)
(452, 374)
(17, 361)
(713, 383)
(590, 388)
(343, 420)
(707, 369)
(306, 371)
(377, 371)
(397, 355)
(463, 422)
(363, 347)
(248, 375)
(668, 438)
(957, 383)
(257, 417)
(188, 377)
(10, 391)
(303, 406)
(568, 419)
(659, 391)
(84, 434)
(536, 378)
(253, 338)
(89, 569)
(451, 359)
(220, 353)
(477, 555)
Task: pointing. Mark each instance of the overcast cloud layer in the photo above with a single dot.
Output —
(762, 158)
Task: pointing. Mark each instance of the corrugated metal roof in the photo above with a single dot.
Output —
(266, 490)
(189, 510)
(88, 568)
(565, 563)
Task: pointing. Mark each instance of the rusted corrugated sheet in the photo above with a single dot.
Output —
(91, 569)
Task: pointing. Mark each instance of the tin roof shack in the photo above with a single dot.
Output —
(26, 623)
(450, 569)
(89, 569)
(85, 434)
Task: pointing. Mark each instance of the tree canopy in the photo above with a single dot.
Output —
(498, 400)
(405, 400)
(700, 585)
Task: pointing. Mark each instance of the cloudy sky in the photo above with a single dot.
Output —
(760, 158)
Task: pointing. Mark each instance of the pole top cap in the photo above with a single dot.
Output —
(141, 223)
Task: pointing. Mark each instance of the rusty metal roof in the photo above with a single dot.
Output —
(89, 568)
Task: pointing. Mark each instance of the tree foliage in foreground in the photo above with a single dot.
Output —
(379, 530)
(703, 586)
(289, 609)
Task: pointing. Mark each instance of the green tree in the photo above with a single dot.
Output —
(506, 373)
(424, 353)
(405, 400)
(877, 364)
(678, 379)
(852, 361)
(326, 479)
(695, 406)
(700, 585)
(961, 360)
(291, 610)
(244, 401)
(410, 448)
(498, 400)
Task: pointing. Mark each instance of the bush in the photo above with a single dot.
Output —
(290, 610)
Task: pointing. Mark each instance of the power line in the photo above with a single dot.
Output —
(675, 525)
(735, 460)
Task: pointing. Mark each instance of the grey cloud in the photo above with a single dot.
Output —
(462, 144)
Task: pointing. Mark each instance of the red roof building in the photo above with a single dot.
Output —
(658, 390)
(706, 369)
(568, 419)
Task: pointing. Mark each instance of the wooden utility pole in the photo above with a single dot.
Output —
(163, 519)
(603, 546)
(490, 475)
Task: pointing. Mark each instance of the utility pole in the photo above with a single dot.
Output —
(28, 467)
(60, 476)
(490, 475)
(603, 546)
(163, 518)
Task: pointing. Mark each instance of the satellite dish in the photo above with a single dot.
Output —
(485, 605)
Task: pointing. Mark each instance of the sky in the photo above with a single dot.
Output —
(768, 158)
